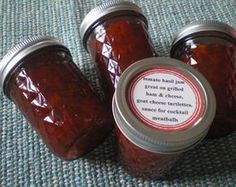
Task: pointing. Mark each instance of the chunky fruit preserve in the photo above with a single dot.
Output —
(54, 96)
(210, 47)
(142, 163)
(116, 37)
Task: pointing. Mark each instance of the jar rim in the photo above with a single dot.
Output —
(202, 26)
(111, 9)
(21, 50)
(160, 141)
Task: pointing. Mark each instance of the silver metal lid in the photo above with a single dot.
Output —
(203, 26)
(101, 12)
(17, 53)
(156, 140)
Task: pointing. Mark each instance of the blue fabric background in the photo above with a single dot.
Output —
(25, 161)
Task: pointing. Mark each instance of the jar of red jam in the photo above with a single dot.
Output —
(210, 47)
(39, 76)
(116, 35)
(162, 108)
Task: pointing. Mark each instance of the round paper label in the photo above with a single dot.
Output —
(165, 99)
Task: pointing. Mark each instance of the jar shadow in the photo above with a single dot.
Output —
(209, 159)
(104, 153)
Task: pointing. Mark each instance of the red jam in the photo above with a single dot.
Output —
(58, 101)
(118, 39)
(162, 108)
(214, 55)
(142, 163)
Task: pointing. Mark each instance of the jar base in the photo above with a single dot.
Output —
(84, 143)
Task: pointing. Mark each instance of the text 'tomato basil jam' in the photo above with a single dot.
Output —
(162, 108)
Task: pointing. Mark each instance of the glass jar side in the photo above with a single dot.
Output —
(141, 163)
(215, 58)
(53, 95)
(116, 44)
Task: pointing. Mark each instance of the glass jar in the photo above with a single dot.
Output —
(116, 35)
(162, 108)
(39, 76)
(210, 47)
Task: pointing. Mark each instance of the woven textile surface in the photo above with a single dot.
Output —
(24, 159)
